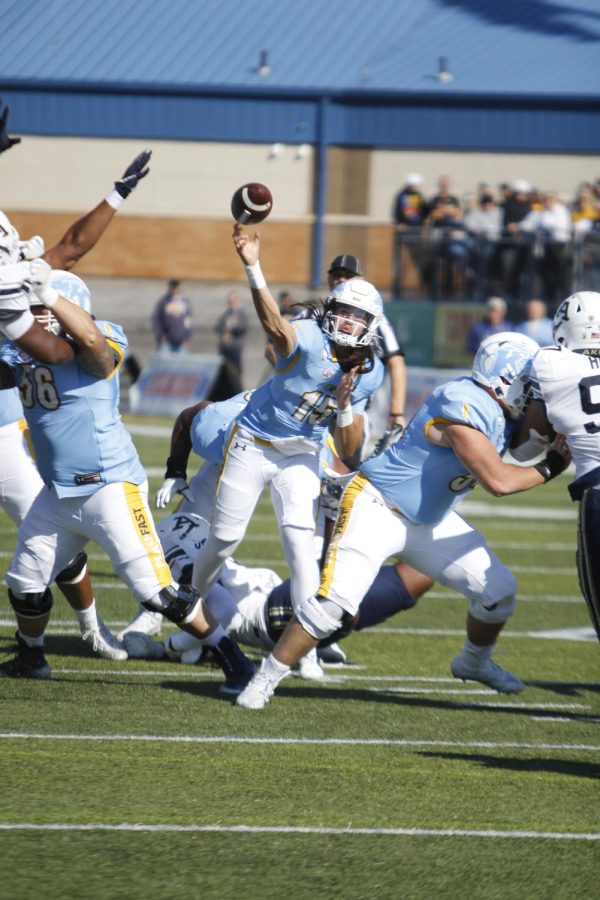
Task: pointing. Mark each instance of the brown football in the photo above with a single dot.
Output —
(251, 203)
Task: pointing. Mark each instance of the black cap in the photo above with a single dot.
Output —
(347, 262)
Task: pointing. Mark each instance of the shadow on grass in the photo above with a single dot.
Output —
(321, 692)
(571, 767)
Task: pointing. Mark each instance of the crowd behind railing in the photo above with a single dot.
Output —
(516, 242)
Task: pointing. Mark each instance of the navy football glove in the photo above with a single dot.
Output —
(137, 170)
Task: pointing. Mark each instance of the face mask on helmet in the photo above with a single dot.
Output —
(72, 288)
(9, 242)
(576, 323)
(502, 363)
(354, 311)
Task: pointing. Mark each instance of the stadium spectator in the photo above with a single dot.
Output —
(537, 325)
(553, 226)
(493, 321)
(410, 208)
(172, 320)
(444, 208)
(585, 211)
(512, 253)
(95, 487)
(484, 225)
(402, 504)
(231, 328)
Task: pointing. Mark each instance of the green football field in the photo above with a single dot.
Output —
(388, 780)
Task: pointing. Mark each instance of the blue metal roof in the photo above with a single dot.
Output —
(493, 47)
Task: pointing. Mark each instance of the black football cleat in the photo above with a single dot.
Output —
(236, 666)
(28, 662)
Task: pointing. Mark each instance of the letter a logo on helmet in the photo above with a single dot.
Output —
(576, 323)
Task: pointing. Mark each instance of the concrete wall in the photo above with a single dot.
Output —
(178, 222)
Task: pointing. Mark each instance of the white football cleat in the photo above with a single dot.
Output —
(257, 692)
(104, 643)
(486, 671)
(144, 621)
(141, 646)
(309, 667)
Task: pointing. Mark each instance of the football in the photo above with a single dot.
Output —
(251, 203)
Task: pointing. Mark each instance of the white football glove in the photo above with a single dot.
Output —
(32, 248)
(141, 646)
(15, 285)
(168, 489)
(41, 274)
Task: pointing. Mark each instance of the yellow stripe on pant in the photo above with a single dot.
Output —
(353, 489)
(144, 527)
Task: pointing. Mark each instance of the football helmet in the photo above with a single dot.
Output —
(9, 242)
(502, 363)
(72, 288)
(353, 313)
(576, 323)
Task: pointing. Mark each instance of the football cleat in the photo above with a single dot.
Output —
(145, 621)
(28, 662)
(309, 667)
(333, 655)
(236, 666)
(141, 646)
(104, 643)
(259, 691)
(486, 671)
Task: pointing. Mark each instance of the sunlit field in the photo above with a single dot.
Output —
(388, 779)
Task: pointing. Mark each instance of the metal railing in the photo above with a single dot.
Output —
(451, 264)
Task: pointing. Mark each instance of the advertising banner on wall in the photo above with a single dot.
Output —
(172, 381)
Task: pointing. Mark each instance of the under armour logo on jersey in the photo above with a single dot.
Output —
(240, 446)
(328, 373)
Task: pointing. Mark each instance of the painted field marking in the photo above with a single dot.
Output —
(303, 829)
(284, 741)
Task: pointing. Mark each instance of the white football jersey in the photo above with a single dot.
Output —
(569, 384)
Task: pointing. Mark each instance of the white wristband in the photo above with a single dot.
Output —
(345, 417)
(114, 199)
(48, 296)
(255, 277)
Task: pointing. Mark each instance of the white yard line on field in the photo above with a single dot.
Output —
(292, 741)
(301, 829)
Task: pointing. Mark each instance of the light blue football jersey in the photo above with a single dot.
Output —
(211, 425)
(76, 430)
(422, 480)
(299, 399)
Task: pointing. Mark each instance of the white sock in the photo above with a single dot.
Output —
(274, 669)
(32, 641)
(475, 652)
(87, 618)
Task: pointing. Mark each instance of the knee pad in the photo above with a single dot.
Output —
(31, 606)
(320, 618)
(71, 574)
(177, 603)
(494, 613)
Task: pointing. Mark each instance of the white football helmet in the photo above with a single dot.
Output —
(9, 242)
(182, 535)
(502, 363)
(72, 288)
(354, 310)
(576, 323)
